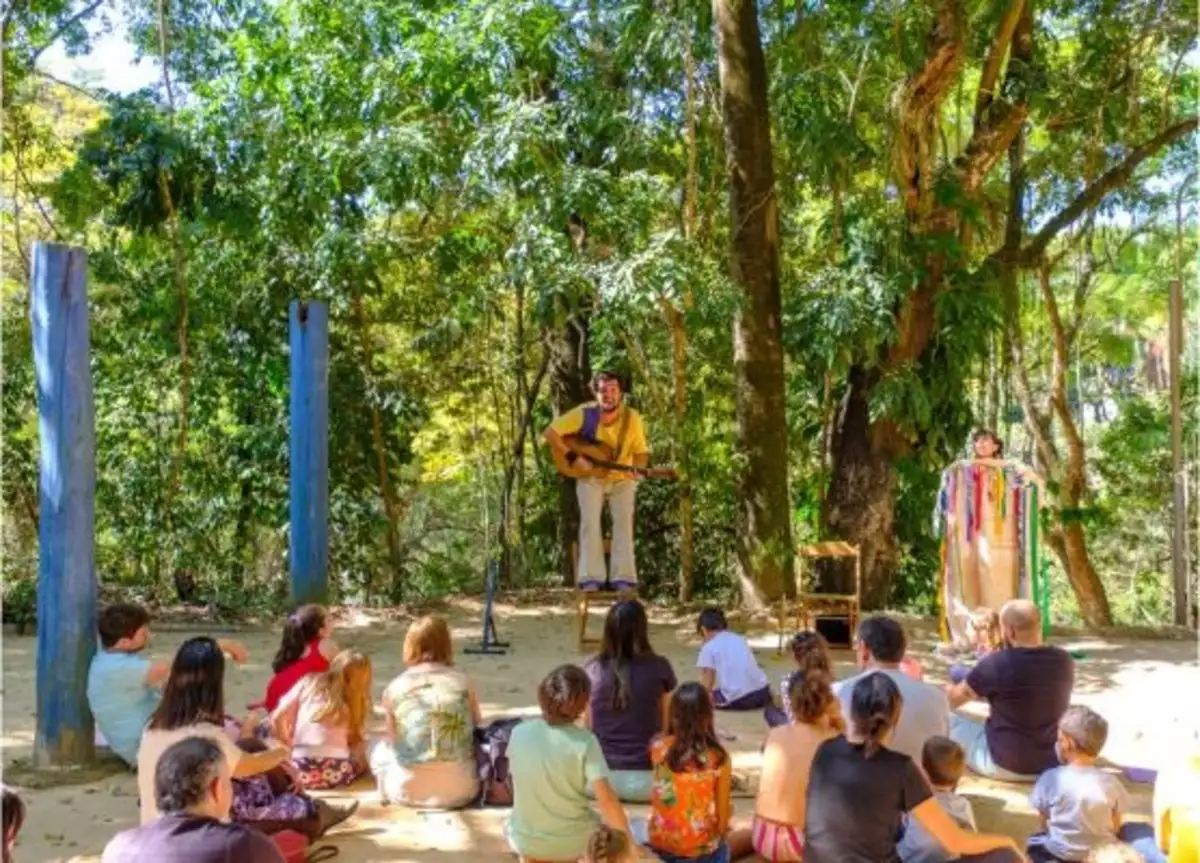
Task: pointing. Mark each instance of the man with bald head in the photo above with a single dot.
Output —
(1027, 686)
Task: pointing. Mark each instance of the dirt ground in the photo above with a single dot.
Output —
(1148, 690)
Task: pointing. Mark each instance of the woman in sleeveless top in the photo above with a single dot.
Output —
(428, 758)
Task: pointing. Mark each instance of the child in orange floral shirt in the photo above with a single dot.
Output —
(692, 779)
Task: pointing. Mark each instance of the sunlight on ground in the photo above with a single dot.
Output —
(1146, 689)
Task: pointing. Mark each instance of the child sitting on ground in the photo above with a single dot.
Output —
(1080, 806)
(816, 716)
(690, 804)
(553, 762)
(322, 720)
(305, 649)
(123, 686)
(984, 628)
(727, 666)
(943, 761)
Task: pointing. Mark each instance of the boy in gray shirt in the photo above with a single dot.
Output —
(944, 762)
(1080, 805)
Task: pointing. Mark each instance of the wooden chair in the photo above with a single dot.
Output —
(586, 599)
(807, 606)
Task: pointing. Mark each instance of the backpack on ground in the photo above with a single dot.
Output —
(491, 760)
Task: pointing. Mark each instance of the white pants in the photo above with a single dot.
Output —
(620, 494)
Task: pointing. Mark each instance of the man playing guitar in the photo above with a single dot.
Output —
(605, 421)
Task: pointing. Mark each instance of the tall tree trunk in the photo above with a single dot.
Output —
(570, 374)
(860, 506)
(179, 254)
(678, 329)
(1067, 538)
(570, 378)
(764, 537)
(383, 470)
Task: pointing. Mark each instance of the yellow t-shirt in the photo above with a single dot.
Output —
(1177, 810)
(635, 433)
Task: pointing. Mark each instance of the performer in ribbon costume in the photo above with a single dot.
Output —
(988, 514)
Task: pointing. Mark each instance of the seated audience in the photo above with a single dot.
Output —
(192, 789)
(944, 762)
(554, 763)
(193, 705)
(880, 645)
(305, 649)
(1177, 810)
(689, 812)
(322, 720)
(859, 791)
(816, 716)
(428, 758)
(271, 802)
(631, 696)
(1028, 687)
(727, 666)
(123, 686)
(1079, 805)
(12, 807)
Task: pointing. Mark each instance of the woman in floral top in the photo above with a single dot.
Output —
(692, 772)
(428, 758)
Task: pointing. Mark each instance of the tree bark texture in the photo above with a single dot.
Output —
(570, 378)
(860, 503)
(764, 536)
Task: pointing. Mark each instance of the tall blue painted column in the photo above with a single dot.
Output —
(66, 598)
(309, 450)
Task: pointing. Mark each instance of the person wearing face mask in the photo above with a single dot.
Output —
(1081, 807)
(1027, 686)
(193, 791)
(860, 790)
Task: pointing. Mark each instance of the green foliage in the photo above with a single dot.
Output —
(416, 165)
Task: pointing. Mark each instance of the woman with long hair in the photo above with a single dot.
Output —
(305, 648)
(428, 758)
(693, 780)
(631, 696)
(859, 791)
(322, 720)
(193, 705)
(815, 716)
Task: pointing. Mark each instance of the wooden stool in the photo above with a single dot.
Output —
(585, 599)
(807, 606)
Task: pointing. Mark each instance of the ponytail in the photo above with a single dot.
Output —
(809, 694)
(874, 710)
(301, 627)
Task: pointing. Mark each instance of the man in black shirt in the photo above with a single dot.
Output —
(194, 790)
(1027, 686)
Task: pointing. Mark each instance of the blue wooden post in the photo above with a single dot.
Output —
(66, 600)
(309, 450)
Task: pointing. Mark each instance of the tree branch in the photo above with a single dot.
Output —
(66, 25)
(995, 58)
(1097, 191)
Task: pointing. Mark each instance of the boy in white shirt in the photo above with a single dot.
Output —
(727, 666)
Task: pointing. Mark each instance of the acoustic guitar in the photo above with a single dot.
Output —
(603, 462)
